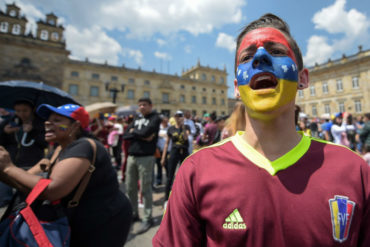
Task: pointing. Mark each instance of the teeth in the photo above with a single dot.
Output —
(264, 77)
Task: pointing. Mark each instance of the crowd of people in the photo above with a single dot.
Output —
(227, 162)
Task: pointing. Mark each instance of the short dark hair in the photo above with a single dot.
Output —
(270, 20)
(24, 102)
(147, 100)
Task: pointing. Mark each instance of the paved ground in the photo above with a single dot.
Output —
(145, 239)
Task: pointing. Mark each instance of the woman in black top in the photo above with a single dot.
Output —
(103, 216)
(178, 135)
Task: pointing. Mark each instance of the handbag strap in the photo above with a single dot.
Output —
(30, 217)
(85, 180)
(37, 190)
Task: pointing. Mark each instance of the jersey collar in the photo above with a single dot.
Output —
(272, 167)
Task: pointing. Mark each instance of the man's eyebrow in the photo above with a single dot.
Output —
(271, 44)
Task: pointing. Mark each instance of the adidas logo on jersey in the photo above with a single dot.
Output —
(234, 221)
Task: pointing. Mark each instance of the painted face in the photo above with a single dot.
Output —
(267, 73)
(57, 128)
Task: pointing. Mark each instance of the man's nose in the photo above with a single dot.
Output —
(261, 58)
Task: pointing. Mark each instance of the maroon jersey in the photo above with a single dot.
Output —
(318, 194)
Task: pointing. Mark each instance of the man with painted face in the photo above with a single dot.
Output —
(269, 185)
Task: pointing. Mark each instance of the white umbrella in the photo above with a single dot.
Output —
(103, 107)
(124, 111)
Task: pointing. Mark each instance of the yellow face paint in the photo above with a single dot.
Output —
(267, 100)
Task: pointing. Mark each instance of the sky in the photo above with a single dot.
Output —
(170, 36)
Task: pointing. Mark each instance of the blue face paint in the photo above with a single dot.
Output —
(281, 67)
(264, 100)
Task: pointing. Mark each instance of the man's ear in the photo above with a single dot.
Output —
(236, 89)
(303, 79)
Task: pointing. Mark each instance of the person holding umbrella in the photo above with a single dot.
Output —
(23, 137)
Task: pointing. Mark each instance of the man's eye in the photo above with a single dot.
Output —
(245, 58)
(277, 52)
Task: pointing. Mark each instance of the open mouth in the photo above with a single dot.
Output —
(263, 81)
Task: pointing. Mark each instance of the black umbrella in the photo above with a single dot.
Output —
(38, 93)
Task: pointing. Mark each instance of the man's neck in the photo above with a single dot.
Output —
(272, 138)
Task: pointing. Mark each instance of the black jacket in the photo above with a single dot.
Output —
(25, 149)
(144, 127)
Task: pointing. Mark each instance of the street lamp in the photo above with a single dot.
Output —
(114, 91)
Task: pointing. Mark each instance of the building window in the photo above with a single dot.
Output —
(222, 91)
(131, 80)
(204, 89)
(325, 88)
(182, 87)
(75, 74)
(165, 98)
(213, 78)
(114, 78)
(314, 110)
(4, 27)
(222, 80)
(194, 88)
(204, 77)
(341, 107)
(146, 94)
(222, 101)
(355, 82)
(130, 94)
(194, 112)
(327, 108)
(55, 36)
(16, 29)
(358, 106)
(193, 99)
(147, 82)
(312, 90)
(73, 89)
(339, 85)
(204, 100)
(213, 90)
(213, 101)
(300, 93)
(182, 98)
(94, 91)
(95, 76)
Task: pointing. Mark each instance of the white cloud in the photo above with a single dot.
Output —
(162, 55)
(143, 18)
(226, 41)
(135, 54)
(188, 49)
(335, 19)
(318, 50)
(92, 43)
(161, 42)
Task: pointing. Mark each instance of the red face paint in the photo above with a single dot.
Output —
(259, 37)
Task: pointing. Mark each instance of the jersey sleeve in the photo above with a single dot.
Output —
(181, 224)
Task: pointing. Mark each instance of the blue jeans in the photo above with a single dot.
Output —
(6, 194)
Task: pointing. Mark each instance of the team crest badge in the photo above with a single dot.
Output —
(341, 209)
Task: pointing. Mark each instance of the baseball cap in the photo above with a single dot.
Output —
(72, 111)
(179, 113)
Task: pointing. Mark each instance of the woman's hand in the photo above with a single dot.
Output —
(5, 160)
(10, 129)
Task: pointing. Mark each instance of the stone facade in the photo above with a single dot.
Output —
(338, 86)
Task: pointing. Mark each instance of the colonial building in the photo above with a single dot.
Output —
(43, 57)
(338, 86)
